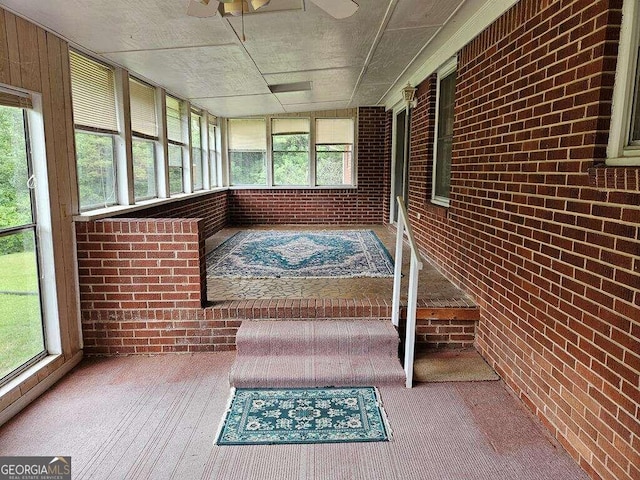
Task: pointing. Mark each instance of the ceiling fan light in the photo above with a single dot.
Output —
(236, 8)
(256, 4)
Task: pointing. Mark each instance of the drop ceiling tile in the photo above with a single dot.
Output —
(240, 106)
(326, 85)
(422, 13)
(197, 72)
(396, 50)
(310, 39)
(118, 25)
(369, 94)
(318, 106)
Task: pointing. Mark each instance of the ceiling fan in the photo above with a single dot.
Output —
(208, 8)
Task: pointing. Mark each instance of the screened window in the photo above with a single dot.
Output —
(21, 322)
(175, 138)
(197, 155)
(444, 138)
(248, 151)
(290, 151)
(94, 111)
(144, 129)
(334, 151)
(213, 155)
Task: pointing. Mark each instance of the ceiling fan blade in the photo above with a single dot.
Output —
(337, 8)
(202, 8)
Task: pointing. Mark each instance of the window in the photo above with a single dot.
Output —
(290, 151)
(175, 139)
(22, 340)
(213, 154)
(334, 151)
(624, 138)
(444, 134)
(197, 154)
(94, 111)
(144, 129)
(248, 151)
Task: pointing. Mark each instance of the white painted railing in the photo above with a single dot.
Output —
(402, 224)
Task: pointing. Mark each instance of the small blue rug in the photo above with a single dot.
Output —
(308, 254)
(303, 415)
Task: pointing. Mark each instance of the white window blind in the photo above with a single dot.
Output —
(248, 134)
(289, 125)
(143, 108)
(174, 119)
(94, 94)
(332, 131)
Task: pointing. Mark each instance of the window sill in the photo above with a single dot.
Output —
(615, 177)
(293, 187)
(120, 209)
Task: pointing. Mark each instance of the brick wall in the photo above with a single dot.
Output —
(363, 205)
(543, 236)
(141, 288)
(211, 207)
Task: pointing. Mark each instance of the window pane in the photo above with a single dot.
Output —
(196, 151)
(248, 134)
(15, 199)
(96, 170)
(21, 335)
(334, 130)
(291, 168)
(443, 170)
(144, 169)
(176, 181)
(213, 156)
(635, 121)
(333, 165)
(174, 119)
(93, 90)
(248, 168)
(196, 168)
(291, 143)
(143, 108)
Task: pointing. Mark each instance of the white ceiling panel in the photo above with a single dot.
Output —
(311, 39)
(317, 106)
(396, 49)
(326, 85)
(241, 106)
(369, 94)
(422, 13)
(198, 72)
(117, 25)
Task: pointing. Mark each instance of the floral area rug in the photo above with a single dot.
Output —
(303, 415)
(305, 254)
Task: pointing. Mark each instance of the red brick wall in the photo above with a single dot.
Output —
(363, 204)
(544, 238)
(211, 207)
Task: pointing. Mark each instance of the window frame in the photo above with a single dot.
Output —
(447, 69)
(620, 151)
(267, 157)
(352, 159)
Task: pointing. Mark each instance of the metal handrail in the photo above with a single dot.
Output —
(403, 226)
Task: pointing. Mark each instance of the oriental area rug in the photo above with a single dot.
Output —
(302, 254)
(303, 415)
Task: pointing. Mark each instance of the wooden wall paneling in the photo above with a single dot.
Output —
(68, 192)
(5, 76)
(15, 77)
(56, 150)
(29, 62)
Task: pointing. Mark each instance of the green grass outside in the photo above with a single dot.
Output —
(20, 321)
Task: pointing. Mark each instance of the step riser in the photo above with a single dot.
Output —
(318, 338)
